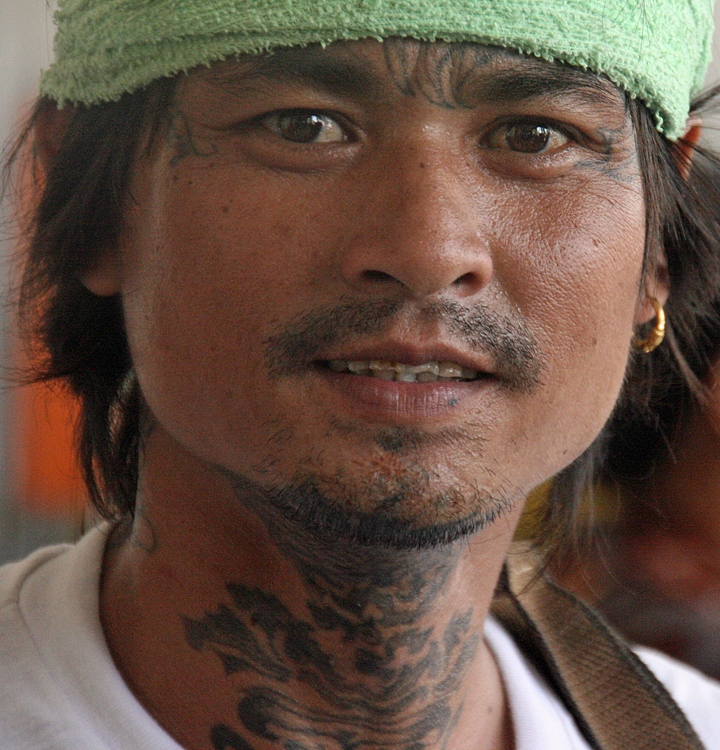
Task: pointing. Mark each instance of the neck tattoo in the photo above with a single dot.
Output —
(396, 688)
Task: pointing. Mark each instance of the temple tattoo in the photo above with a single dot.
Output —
(183, 139)
(396, 693)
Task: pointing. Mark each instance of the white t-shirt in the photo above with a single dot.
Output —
(60, 690)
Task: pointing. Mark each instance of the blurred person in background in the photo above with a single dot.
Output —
(336, 285)
(653, 564)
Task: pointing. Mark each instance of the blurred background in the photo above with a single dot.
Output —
(41, 497)
(675, 607)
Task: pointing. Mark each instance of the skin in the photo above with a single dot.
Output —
(461, 204)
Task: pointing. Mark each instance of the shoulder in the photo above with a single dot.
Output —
(13, 576)
(697, 695)
(28, 695)
(46, 621)
(37, 588)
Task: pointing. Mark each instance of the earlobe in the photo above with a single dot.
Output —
(651, 309)
(656, 335)
(657, 287)
(50, 127)
(103, 279)
(685, 146)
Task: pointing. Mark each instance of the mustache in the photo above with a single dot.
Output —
(509, 341)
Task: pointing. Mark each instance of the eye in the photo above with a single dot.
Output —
(303, 126)
(529, 137)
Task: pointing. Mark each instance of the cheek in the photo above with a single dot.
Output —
(208, 273)
(582, 258)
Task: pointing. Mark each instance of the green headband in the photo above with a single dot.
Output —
(655, 50)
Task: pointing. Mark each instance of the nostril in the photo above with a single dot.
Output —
(470, 283)
(465, 279)
(381, 276)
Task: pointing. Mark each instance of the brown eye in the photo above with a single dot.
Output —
(530, 139)
(527, 138)
(304, 127)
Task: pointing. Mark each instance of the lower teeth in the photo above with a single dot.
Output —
(410, 377)
(402, 377)
(428, 373)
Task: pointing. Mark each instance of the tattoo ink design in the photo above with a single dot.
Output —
(223, 737)
(445, 74)
(441, 73)
(184, 141)
(396, 694)
(621, 167)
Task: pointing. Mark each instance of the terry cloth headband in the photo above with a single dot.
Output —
(655, 50)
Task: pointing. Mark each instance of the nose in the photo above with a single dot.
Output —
(419, 228)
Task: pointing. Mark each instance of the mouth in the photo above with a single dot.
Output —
(426, 372)
(402, 385)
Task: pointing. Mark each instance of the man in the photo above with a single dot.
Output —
(337, 286)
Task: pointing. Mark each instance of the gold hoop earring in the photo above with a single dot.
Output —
(657, 334)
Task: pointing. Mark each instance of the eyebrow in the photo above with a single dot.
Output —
(544, 79)
(298, 68)
(354, 77)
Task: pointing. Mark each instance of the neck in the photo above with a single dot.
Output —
(239, 628)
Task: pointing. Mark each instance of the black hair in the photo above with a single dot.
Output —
(81, 339)
(77, 338)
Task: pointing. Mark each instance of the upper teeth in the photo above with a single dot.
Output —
(407, 373)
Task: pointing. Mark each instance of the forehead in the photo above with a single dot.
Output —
(451, 74)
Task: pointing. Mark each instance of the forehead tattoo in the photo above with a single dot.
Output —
(451, 75)
(447, 75)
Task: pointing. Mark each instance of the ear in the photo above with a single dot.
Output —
(50, 127)
(685, 146)
(657, 287)
(103, 278)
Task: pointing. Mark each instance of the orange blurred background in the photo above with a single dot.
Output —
(47, 475)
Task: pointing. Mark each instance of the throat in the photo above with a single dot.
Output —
(370, 656)
(245, 627)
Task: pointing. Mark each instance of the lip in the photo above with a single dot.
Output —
(397, 402)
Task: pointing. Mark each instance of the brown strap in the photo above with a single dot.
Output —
(615, 699)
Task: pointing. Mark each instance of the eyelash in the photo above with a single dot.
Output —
(341, 122)
(569, 134)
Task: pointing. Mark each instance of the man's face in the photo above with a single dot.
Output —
(314, 219)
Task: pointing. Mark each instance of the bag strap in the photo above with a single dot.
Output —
(615, 699)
